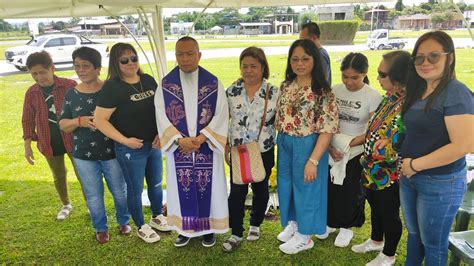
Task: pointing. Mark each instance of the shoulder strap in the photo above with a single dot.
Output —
(267, 92)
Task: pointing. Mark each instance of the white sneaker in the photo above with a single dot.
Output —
(382, 260)
(368, 245)
(343, 238)
(147, 234)
(326, 235)
(287, 233)
(160, 223)
(64, 212)
(296, 244)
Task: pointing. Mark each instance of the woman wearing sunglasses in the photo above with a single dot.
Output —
(380, 161)
(438, 115)
(126, 113)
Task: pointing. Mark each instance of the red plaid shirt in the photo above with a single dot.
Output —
(35, 115)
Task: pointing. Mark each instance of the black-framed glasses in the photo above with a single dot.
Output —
(382, 75)
(432, 57)
(124, 60)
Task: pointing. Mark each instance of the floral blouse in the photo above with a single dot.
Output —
(246, 116)
(301, 112)
(382, 171)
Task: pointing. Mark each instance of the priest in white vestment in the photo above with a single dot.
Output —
(192, 118)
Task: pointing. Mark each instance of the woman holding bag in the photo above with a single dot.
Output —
(252, 108)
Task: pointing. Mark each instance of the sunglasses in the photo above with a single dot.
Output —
(124, 60)
(432, 57)
(382, 75)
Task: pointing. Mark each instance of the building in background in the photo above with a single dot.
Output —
(182, 28)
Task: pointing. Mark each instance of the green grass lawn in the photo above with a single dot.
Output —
(29, 233)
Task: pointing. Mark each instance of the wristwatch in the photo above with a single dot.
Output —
(176, 142)
(313, 161)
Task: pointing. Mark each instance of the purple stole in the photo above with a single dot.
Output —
(194, 178)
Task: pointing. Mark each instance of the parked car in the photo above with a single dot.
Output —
(59, 46)
(379, 39)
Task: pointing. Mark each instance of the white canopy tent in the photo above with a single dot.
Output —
(146, 9)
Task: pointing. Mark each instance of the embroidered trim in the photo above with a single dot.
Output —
(214, 223)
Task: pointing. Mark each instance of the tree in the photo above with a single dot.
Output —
(427, 6)
(73, 22)
(462, 6)
(60, 25)
(5, 26)
(228, 17)
(206, 21)
(307, 16)
(130, 20)
(399, 5)
(41, 27)
(437, 19)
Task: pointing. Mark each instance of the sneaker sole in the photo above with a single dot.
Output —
(161, 229)
(322, 237)
(309, 246)
(182, 244)
(150, 240)
(368, 250)
(208, 245)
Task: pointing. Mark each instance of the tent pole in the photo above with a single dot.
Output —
(200, 15)
(159, 37)
(468, 24)
(149, 33)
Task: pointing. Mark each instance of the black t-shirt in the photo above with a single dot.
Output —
(134, 115)
(57, 143)
(89, 144)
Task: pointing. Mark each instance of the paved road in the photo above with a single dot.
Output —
(7, 69)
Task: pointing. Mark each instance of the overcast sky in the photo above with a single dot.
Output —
(170, 11)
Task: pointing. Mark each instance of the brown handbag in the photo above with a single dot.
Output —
(247, 164)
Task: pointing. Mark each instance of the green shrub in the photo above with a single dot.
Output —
(338, 31)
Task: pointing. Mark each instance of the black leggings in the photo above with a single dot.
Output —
(346, 203)
(385, 217)
(238, 193)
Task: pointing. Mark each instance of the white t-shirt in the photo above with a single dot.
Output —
(354, 108)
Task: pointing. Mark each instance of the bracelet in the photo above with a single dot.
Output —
(79, 121)
(411, 166)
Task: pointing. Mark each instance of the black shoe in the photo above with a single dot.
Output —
(209, 240)
(181, 241)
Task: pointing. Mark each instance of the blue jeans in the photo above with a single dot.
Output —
(91, 173)
(429, 204)
(136, 165)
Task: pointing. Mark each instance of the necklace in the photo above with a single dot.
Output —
(141, 87)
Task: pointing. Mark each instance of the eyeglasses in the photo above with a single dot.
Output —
(432, 57)
(124, 60)
(382, 75)
(303, 59)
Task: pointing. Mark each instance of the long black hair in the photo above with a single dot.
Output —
(358, 62)
(115, 53)
(319, 84)
(416, 85)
